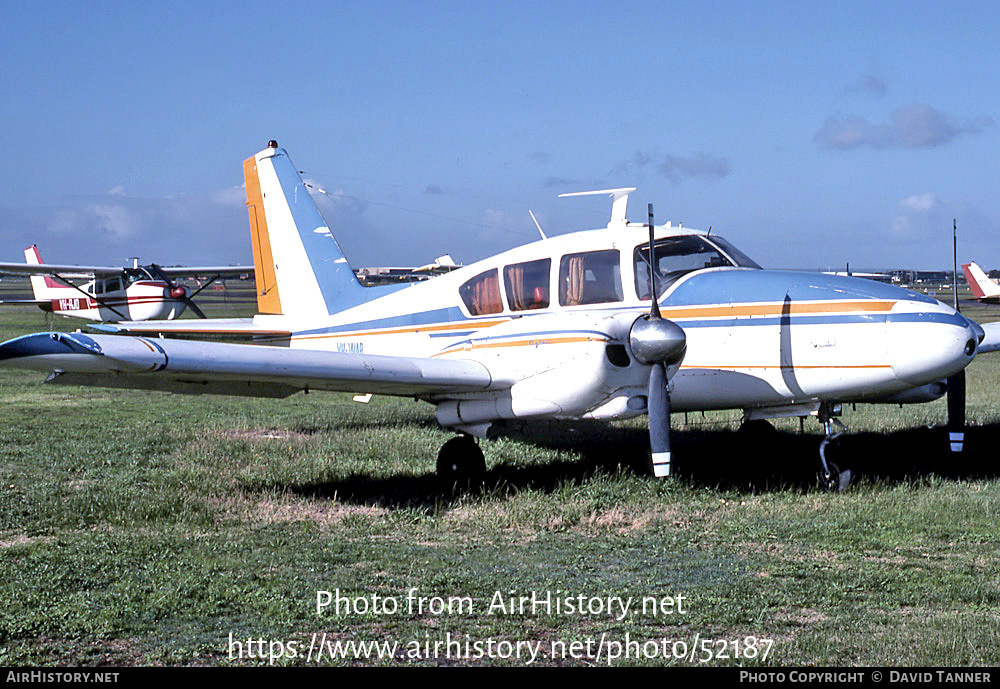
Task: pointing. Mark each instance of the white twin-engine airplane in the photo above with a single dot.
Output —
(562, 328)
(138, 293)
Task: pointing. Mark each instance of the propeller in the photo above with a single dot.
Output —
(658, 343)
(956, 383)
(178, 292)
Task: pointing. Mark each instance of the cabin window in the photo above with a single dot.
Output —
(113, 285)
(481, 294)
(674, 257)
(592, 277)
(527, 285)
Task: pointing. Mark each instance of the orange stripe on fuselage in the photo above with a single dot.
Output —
(535, 342)
(793, 308)
(268, 300)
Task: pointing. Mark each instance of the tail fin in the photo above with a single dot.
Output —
(979, 283)
(300, 268)
(43, 286)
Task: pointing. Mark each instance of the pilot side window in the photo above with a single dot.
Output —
(592, 277)
(527, 285)
(481, 294)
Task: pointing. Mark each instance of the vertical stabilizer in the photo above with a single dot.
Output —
(982, 287)
(300, 269)
(43, 286)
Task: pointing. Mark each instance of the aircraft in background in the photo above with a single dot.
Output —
(113, 294)
(628, 320)
(984, 289)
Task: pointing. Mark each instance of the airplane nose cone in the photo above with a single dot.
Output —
(927, 349)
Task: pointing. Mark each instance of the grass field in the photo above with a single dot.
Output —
(145, 528)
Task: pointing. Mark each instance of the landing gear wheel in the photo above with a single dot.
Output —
(834, 480)
(830, 476)
(460, 463)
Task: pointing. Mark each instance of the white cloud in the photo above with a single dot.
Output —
(915, 125)
(921, 203)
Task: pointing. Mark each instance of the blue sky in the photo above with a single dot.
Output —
(809, 134)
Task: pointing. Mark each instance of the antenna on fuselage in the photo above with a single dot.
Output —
(618, 206)
(536, 224)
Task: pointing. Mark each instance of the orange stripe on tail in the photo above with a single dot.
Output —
(268, 300)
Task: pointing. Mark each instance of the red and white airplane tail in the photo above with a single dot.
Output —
(43, 286)
(982, 287)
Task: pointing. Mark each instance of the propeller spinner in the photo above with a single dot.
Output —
(178, 292)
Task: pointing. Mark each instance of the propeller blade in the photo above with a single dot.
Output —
(658, 409)
(956, 411)
(654, 296)
(194, 307)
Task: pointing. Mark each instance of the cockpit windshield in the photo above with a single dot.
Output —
(133, 275)
(675, 257)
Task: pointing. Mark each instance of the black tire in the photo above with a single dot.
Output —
(837, 481)
(460, 463)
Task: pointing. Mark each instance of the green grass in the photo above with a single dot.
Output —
(144, 528)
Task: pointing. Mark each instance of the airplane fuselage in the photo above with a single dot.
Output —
(141, 300)
(755, 338)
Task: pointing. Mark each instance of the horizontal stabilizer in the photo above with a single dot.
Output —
(222, 368)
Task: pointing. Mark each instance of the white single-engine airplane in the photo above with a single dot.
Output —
(562, 328)
(138, 293)
(984, 289)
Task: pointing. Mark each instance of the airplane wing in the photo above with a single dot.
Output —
(194, 271)
(990, 343)
(53, 269)
(234, 369)
(190, 326)
(88, 271)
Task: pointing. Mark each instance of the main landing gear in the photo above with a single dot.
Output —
(460, 463)
(831, 477)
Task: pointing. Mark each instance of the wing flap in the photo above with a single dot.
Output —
(220, 368)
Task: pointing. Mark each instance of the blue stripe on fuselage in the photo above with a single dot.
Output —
(435, 317)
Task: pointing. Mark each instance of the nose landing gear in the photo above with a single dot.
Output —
(831, 477)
